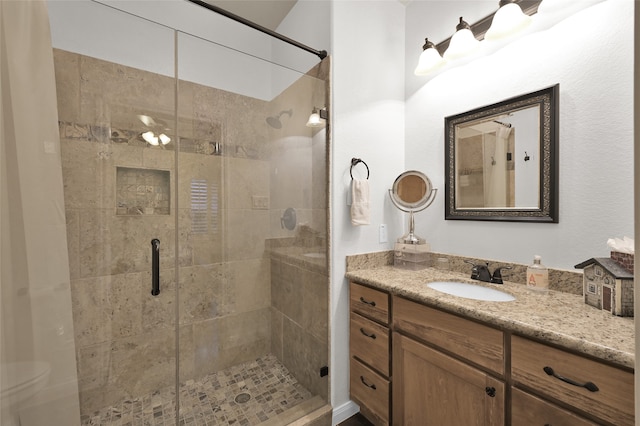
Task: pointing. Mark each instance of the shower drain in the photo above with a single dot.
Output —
(242, 398)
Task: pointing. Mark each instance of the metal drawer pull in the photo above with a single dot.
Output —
(588, 385)
(372, 335)
(362, 299)
(364, 382)
(491, 391)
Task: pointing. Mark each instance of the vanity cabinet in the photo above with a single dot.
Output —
(447, 370)
(431, 367)
(589, 386)
(369, 347)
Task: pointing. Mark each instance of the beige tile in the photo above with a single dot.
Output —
(93, 367)
(67, 70)
(287, 293)
(187, 354)
(276, 333)
(125, 298)
(207, 248)
(142, 363)
(246, 231)
(202, 292)
(304, 355)
(250, 281)
(291, 175)
(159, 159)
(114, 93)
(245, 178)
(91, 310)
(158, 312)
(230, 340)
(315, 304)
(88, 175)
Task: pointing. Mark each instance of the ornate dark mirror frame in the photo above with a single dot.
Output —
(547, 211)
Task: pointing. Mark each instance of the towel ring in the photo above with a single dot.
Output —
(354, 162)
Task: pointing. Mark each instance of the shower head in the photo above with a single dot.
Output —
(274, 121)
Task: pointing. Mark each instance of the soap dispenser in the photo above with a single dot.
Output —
(537, 275)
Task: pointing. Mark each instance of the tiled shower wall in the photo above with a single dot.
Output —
(125, 336)
(300, 328)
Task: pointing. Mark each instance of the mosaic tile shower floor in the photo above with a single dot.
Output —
(247, 394)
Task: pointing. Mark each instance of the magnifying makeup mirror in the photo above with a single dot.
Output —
(412, 192)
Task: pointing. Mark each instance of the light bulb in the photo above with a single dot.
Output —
(164, 139)
(462, 43)
(430, 59)
(508, 20)
(314, 120)
(150, 138)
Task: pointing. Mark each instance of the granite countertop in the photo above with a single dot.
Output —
(555, 317)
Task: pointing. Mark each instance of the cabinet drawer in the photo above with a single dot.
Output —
(371, 391)
(612, 402)
(475, 342)
(371, 303)
(369, 342)
(528, 410)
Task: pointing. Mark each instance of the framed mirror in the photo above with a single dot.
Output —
(501, 160)
(412, 192)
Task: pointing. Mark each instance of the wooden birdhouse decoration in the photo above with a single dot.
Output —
(608, 283)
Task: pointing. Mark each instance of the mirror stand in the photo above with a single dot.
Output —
(411, 237)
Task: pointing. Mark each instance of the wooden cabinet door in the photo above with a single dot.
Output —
(433, 389)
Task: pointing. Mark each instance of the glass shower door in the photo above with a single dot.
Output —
(253, 307)
(116, 105)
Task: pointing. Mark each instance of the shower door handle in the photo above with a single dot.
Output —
(155, 267)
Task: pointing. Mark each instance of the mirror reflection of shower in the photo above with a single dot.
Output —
(274, 121)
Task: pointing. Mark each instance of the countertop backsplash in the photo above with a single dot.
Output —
(559, 280)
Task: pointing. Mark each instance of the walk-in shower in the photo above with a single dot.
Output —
(185, 289)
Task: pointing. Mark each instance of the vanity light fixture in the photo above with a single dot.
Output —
(512, 17)
(462, 43)
(317, 117)
(430, 59)
(508, 20)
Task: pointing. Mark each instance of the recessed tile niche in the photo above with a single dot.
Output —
(142, 191)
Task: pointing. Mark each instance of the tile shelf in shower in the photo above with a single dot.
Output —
(142, 191)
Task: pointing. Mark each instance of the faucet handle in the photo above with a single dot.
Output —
(474, 270)
(497, 275)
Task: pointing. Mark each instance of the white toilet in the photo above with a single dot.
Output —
(18, 382)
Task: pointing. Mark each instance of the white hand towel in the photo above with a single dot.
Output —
(360, 202)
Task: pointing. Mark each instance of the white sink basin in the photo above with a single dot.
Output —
(471, 291)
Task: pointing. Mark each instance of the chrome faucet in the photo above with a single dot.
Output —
(482, 273)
